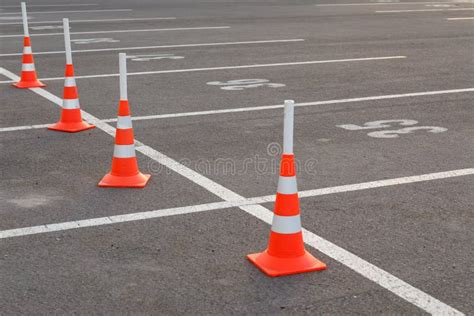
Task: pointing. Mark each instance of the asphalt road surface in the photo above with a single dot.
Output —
(384, 138)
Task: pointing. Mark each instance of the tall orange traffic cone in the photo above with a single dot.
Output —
(124, 173)
(71, 118)
(28, 71)
(286, 253)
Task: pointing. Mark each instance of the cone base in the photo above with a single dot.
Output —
(137, 181)
(275, 266)
(70, 127)
(29, 84)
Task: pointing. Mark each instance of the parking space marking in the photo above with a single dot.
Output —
(242, 84)
(459, 19)
(74, 11)
(263, 108)
(163, 46)
(424, 10)
(198, 28)
(53, 5)
(22, 128)
(88, 41)
(394, 133)
(381, 277)
(388, 3)
(157, 72)
(87, 21)
(108, 220)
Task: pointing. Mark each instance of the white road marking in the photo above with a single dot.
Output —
(424, 10)
(46, 27)
(241, 84)
(163, 46)
(88, 41)
(149, 57)
(265, 108)
(22, 128)
(366, 269)
(199, 28)
(313, 62)
(48, 228)
(95, 21)
(74, 11)
(460, 19)
(385, 3)
(52, 5)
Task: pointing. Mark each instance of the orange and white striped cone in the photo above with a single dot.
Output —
(71, 118)
(28, 78)
(286, 253)
(125, 172)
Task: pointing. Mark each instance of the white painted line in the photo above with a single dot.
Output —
(22, 128)
(313, 62)
(125, 31)
(459, 19)
(52, 5)
(381, 277)
(25, 231)
(163, 46)
(95, 21)
(388, 3)
(223, 205)
(75, 11)
(263, 108)
(366, 269)
(424, 10)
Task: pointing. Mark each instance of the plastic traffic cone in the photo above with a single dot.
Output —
(124, 173)
(71, 118)
(28, 71)
(286, 253)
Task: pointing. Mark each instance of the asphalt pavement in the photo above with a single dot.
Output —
(384, 125)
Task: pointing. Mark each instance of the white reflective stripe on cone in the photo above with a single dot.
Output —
(71, 104)
(286, 224)
(28, 67)
(124, 122)
(69, 82)
(124, 151)
(27, 50)
(287, 185)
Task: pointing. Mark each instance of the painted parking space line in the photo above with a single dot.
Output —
(263, 108)
(22, 128)
(115, 219)
(291, 40)
(53, 5)
(197, 28)
(390, 3)
(460, 19)
(381, 277)
(94, 21)
(424, 10)
(73, 11)
(157, 72)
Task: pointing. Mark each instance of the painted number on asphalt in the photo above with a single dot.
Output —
(392, 133)
(153, 57)
(82, 41)
(241, 84)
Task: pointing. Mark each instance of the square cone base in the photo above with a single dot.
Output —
(137, 181)
(29, 84)
(276, 266)
(70, 127)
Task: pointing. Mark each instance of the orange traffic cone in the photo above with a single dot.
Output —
(124, 173)
(286, 253)
(71, 118)
(28, 71)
